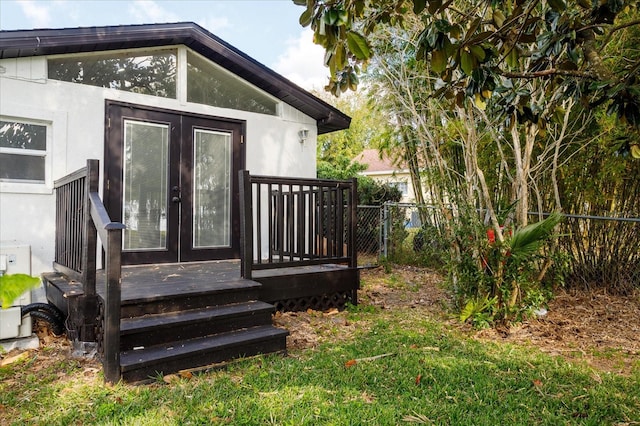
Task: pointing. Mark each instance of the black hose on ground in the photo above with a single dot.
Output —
(47, 313)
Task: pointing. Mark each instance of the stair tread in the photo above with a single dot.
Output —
(132, 359)
(151, 321)
(170, 290)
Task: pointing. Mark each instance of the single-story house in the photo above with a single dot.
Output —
(183, 171)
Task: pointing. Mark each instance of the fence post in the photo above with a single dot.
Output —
(385, 230)
(353, 222)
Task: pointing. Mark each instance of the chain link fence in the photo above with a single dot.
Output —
(595, 251)
(369, 235)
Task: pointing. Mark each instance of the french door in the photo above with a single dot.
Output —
(172, 179)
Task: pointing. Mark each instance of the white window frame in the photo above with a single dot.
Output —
(55, 123)
(398, 184)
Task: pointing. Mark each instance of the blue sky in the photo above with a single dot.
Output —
(267, 30)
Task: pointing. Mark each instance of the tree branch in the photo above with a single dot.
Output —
(546, 73)
(617, 28)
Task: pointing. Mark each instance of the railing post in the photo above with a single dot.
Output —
(90, 234)
(111, 342)
(246, 224)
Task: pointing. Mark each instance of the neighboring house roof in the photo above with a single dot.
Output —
(375, 164)
(26, 43)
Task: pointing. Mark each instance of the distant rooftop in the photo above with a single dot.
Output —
(375, 164)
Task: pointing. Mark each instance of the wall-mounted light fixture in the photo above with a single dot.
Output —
(303, 135)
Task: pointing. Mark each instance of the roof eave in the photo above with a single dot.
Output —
(26, 43)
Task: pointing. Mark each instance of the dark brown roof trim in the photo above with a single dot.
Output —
(25, 43)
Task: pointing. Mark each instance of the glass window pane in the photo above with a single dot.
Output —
(210, 85)
(152, 73)
(212, 189)
(145, 196)
(23, 168)
(14, 134)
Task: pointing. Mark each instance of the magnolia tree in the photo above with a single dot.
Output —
(489, 96)
(483, 49)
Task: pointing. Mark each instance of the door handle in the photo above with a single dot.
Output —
(176, 200)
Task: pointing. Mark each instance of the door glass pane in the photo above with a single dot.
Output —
(145, 180)
(212, 189)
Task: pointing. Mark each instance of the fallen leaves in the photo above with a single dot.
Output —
(350, 363)
(23, 356)
(353, 362)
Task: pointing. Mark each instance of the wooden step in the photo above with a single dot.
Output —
(159, 329)
(180, 298)
(145, 364)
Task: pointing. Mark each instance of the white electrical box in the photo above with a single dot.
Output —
(15, 259)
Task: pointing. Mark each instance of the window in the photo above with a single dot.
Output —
(402, 186)
(211, 85)
(148, 73)
(23, 151)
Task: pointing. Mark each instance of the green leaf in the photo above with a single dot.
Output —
(340, 56)
(473, 28)
(528, 240)
(438, 61)
(358, 45)
(466, 62)
(331, 16)
(478, 52)
(468, 310)
(343, 18)
(13, 285)
(557, 5)
(306, 18)
(512, 58)
(419, 5)
(434, 5)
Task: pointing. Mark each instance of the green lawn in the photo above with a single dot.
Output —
(435, 375)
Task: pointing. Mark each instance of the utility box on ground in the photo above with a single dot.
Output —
(15, 259)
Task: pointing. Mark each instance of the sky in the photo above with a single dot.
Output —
(266, 30)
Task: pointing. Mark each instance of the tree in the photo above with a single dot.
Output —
(485, 49)
(368, 128)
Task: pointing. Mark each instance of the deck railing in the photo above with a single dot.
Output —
(289, 222)
(80, 219)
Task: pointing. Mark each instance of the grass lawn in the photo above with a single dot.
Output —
(399, 365)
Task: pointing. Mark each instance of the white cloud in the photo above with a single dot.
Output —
(303, 62)
(215, 25)
(149, 11)
(39, 15)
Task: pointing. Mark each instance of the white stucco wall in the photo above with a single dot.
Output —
(76, 116)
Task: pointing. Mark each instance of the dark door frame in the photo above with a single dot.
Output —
(181, 124)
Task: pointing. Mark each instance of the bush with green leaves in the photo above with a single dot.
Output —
(497, 281)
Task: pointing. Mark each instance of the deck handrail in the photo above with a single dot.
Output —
(299, 221)
(80, 218)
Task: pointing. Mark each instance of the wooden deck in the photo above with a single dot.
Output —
(215, 310)
(191, 315)
(159, 281)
